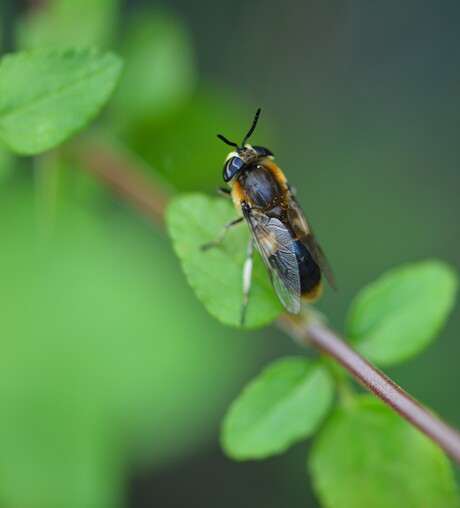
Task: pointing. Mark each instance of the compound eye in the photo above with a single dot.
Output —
(263, 152)
(232, 166)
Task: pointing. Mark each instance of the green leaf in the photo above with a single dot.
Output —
(46, 95)
(401, 313)
(282, 406)
(216, 274)
(366, 455)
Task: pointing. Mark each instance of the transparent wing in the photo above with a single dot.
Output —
(277, 250)
(305, 234)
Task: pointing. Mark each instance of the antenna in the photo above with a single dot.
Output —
(251, 130)
(226, 141)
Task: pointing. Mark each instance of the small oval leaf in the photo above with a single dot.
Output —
(401, 313)
(282, 406)
(216, 274)
(48, 95)
(367, 455)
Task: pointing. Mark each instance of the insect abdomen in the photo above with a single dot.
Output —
(310, 274)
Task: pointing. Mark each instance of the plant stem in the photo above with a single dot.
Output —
(121, 172)
(122, 176)
(316, 334)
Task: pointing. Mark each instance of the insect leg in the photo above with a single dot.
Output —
(224, 192)
(221, 236)
(247, 273)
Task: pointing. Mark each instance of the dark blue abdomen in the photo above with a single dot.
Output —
(310, 274)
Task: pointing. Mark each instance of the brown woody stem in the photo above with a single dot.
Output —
(316, 334)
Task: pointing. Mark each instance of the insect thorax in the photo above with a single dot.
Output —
(264, 191)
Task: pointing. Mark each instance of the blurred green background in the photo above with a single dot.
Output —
(113, 379)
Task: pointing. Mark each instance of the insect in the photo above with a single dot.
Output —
(278, 226)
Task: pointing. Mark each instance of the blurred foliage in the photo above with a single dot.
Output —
(160, 73)
(69, 23)
(96, 370)
(95, 366)
(107, 360)
(184, 148)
